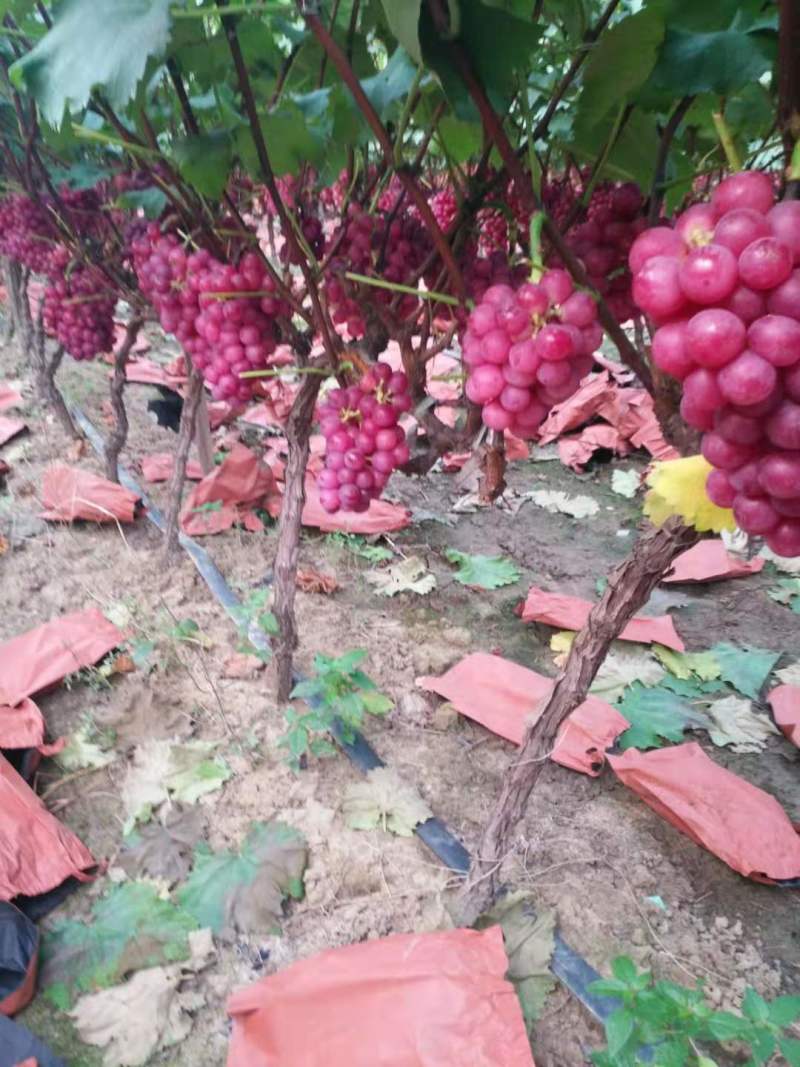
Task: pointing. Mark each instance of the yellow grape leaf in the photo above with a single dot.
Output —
(678, 487)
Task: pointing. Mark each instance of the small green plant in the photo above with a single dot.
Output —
(669, 1025)
(256, 624)
(97, 678)
(160, 650)
(338, 690)
(359, 546)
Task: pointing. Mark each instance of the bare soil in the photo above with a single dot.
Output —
(588, 847)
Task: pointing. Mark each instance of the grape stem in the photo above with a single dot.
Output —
(397, 287)
(726, 140)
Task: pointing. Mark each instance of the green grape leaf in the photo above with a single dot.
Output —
(152, 201)
(93, 44)
(131, 928)
(204, 161)
(745, 668)
(403, 19)
(716, 62)
(529, 940)
(244, 891)
(685, 664)
(483, 572)
(619, 64)
(82, 750)
(656, 715)
(787, 592)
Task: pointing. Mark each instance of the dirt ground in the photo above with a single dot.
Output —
(588, 848)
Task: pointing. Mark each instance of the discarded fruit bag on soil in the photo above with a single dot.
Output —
(504, 697)
(576, 451)
(229, 494)
(9, 396)
(19, 1048)
(41, 658)
(409, 1000)
(740, 823)
(785, 704)
(9, 428)
(69, 494)
(710, 561)
(570, 613)
(37, 852)
(19, 957)
(158, 467)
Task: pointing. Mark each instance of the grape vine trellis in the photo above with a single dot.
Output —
(323, 178)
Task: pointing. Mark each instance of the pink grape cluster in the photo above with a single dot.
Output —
(527, 349)
(444, 206)
(613, 222)
(27, 234)
(364, 443)
(78, 307)
(723, 287)
(195, 297)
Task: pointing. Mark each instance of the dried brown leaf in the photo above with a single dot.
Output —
(311, 581)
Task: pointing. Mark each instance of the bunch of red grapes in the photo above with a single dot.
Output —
(602, 242)
(27, 234)
(364, 443)
(195, 297)
(78, 307)
(527, 349)
(723, 287)
(378, 246)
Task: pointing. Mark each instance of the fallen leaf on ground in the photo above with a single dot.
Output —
(150, 1012)
(229, 891)
(733, 722)
(625, 483)
(143, 715)
(529, 941)
(745, 668)
(3, 545)
(789, 565)
(311, 581)
(483, 572)
(164, 770)
(164, 851)
(131, 928)
(579, 507)
(76, 450)
(384, 801)
(409, 575)
(81, 750)
(623, 666)
(684, 664)
(241, 665)
(678, 487)
(787, 592)
(664, 600)
(656, 715)
(122, 664)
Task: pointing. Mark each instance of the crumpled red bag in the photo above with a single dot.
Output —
(409, 1000)
(37, 852)
(571, 613)
(69, 494)
(9, 396)
(381, 516)
(710, 561)
(576, 451)
(229, 494)
(504, 697)
(741, 824)
(158, 467)
(41, 658)
(785, 704)
(146, 371)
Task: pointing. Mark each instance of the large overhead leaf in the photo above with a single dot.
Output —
(205, 161)
(131, 928)
(402, 17)
(391, 83)
(619, 64)
(717, 62)
(244, 891)
(291, 141)
(101, 44)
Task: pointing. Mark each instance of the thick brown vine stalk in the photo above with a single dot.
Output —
(629, 588)
(298, 435)
(119, 434)
(191, 402)
(45, 367)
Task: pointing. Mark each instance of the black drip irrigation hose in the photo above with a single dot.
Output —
(567, 965)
